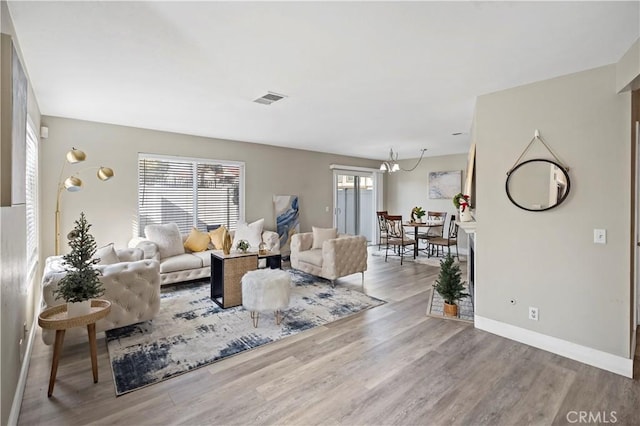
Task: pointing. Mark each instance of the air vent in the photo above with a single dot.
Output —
(269, 98)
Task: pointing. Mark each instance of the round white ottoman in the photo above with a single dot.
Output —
(266, 290)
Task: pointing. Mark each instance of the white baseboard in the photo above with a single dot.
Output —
(604, 360)
(24, 370)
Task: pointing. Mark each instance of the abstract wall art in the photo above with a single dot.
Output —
(287, 215)
(444, 184)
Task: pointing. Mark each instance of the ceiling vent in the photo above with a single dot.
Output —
(269, 98)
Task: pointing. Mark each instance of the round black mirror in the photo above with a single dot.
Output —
(538, 185)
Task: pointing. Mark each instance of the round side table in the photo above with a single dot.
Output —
(56, 318)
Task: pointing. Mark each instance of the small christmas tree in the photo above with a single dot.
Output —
(449, 284)
(81, 281)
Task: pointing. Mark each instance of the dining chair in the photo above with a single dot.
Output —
(433, 231)
(450, 240)
(382, 227)
(397, 237)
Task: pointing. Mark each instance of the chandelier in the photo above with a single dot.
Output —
(391, 165)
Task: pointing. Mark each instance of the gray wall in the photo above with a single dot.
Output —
(548, 259)
(17, 298)
(405, 190)
(111, 206)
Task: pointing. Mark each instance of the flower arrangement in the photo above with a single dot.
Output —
(461, 200)
(417, 213)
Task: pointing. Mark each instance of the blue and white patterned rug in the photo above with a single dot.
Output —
(191, 331)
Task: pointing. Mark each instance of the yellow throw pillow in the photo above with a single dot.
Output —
(217, 237)
(197, 241)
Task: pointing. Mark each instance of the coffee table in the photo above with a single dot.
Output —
(56, 318)
(227, 271)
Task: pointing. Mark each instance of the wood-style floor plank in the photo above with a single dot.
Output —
(388, 365)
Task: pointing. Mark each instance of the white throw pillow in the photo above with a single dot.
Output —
(167, 237)
(107, 255)
(320, 235)
(251, 232)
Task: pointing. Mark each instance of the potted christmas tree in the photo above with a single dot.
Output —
(81, 282)
(450, 286)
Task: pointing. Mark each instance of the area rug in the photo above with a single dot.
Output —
(435, 308)
(191, 331)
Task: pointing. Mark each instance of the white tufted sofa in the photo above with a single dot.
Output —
(132, 286)
(339, 257)
(190, 265)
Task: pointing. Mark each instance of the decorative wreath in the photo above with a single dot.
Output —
(461, 200)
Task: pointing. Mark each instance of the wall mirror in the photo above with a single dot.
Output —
(538, 185)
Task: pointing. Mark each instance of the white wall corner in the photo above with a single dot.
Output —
(594, 357)
(628, 69)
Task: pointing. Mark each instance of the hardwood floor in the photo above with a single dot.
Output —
(388, 365)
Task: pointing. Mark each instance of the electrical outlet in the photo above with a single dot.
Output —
(533, 313)
(600, 236)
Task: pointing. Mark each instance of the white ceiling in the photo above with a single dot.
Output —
(361, 77)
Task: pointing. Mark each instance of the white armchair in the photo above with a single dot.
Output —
(338, 257)
(131, 285)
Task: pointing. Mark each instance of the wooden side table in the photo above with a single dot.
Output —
(227, 271)
(56, 318)
(226, 274)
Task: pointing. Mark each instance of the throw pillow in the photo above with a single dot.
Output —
(167, 238)
(217, 237)
(107, 255)
(251, 232)
(320, 235)
(197, 241)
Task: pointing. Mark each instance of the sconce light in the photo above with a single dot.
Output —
(74, 184)
(391, 165)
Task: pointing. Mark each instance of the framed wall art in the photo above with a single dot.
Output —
(444, 185)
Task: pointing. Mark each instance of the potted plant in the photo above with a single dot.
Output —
(417, 213)
(81, 282)
(450, 286)
(243, 245)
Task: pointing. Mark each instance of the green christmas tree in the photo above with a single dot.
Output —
(449, 284)
(81, 281)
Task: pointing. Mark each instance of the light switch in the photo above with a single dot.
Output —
(600, 236)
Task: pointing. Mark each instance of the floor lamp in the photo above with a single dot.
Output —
(74, 184)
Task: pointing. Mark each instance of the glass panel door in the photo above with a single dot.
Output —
(354, 206)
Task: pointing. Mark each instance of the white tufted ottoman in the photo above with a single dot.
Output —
(266, 290)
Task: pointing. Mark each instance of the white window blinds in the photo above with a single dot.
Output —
(190, 192)
(31, 186)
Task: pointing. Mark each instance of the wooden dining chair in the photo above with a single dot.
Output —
(397, 237)
(433, 231)
(450, 240)
(382, 228)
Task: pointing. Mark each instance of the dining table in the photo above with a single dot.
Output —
(428, 224)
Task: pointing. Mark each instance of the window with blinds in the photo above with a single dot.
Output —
(31, 186)
(190, 192)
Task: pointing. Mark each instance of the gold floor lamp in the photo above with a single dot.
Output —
(74, 184)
